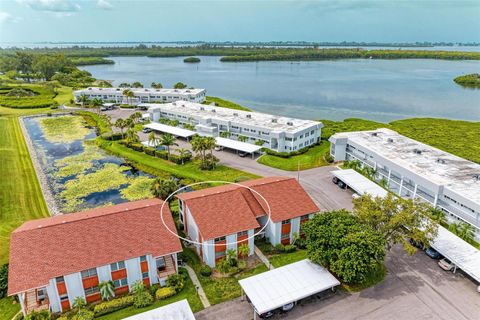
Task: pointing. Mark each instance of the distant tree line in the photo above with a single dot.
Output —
(469, 80)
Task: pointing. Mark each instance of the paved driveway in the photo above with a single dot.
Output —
(415, 288)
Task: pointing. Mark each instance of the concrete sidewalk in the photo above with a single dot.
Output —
(198, 285)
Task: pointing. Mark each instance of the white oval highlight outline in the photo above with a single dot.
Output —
(269, 213)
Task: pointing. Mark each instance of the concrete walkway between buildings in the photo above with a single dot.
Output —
(197, 284)
(263, 258)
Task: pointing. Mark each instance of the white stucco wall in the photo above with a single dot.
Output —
(104, 273)
(152, 269)
(295, 227)
(134, 273)
(208, 252)
(251, 243)
(74, 285)
(53, 297)
(232, 241)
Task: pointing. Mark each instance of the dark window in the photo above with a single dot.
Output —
(143, 258)
(219, 239)
(285, 221)
(145, 275)
(117, 265)
(63, 297)
(160, 264)
(89, 273)
(242, 233)
(60, 279)
(91, 290)
(120, 283)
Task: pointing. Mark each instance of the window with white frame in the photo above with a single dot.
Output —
(160, 263)
(117, 265)
(242, 233)
(120, 283)
(91, 290)
(89, 273)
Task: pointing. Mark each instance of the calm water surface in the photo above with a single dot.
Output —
(381, 90)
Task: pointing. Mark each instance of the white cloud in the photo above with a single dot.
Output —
(6, 17)
(62, 6)
(104, 4)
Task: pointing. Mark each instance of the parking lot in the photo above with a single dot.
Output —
(415, 288)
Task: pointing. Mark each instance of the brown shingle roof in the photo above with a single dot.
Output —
(224, 210)
(46, 248)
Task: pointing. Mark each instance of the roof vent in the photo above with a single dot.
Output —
(274, 120)
(289, 123)
(417, 151)
(476, 176)
(202, 108)
(118, 89)
(442, 161)
(213, 110)
(235, 114)
(89, 88)
(249, 116)
(390, 140)
(174, 103)
(375, 134)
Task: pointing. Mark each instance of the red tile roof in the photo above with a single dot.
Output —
(224, 210)
(47, 248)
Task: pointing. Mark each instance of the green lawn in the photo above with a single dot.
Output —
(8, 309)
(219, 290)
(287, 258)
(225, 103)
(64, 95)
(159, 167)
(347, 125)
(314, 157)
(189, 292)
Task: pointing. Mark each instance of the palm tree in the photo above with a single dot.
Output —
(466, 232)
(96, 103)
(156, 85)
(438, 216)
(121, 124)
(138, 286)
(79, 302)
(243, 250)
(152, 140)
(136, 116)
(454, 228)
(259, 143)
(83, 99)
(242, 138)
(132, 136)
(225, 134)
(106, 290)
(168, 140)
(128, 94)
(162, 188)
(183, 154)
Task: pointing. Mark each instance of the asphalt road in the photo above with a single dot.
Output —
(415, 288)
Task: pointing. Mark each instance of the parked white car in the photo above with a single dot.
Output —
(446, 264)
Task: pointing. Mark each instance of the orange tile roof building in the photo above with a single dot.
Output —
(54, 260)
(224, 217)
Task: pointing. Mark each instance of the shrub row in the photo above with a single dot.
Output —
(289, 154)
(158, 153)
(285, 248)
(114, 305)
(165, 292)
(111, 136)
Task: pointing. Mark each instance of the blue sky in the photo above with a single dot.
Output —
(128, 20)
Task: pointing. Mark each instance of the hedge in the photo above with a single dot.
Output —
(113, 305)
(111, 136)
(165, 292)
(289, 154)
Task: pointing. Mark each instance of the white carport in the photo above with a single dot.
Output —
(459, 252)
(178, 132)
(275, 288)
(174, 311)
(359, 183)
(237, 145)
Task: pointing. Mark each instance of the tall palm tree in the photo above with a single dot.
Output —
(243, 250)
(454, 228)
(96, 103)
(132, 136)
(136, 116)
(242, 138)
(466, 232)
(168, 140)
(121, 124)
(107, 290)
(152, 140)
(83, 99)
(128, 94)
(225, 134)
(183, 154)
(210, 144)
(438, 216)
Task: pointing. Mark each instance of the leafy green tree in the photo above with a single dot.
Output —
(231, 257)
(107, 290)
(121, 124)
(3, 280)
(189, 126)
(225, 134)
(167, 140)
(438, 216)
(156, 85)
(125, 85)
(96, 103)
(179, 85)
(243, 250)
(141, 297)
(48, 64)
(38, 315)
(137, 84)
(341, 242)
(184, 155)
(259, 143)
(463, 230)
(162, 188)
(176, 281)
(398, 220)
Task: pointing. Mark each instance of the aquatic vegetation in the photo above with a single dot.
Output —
(138, 189)
(63, 128)
(76, 164)
(109, 177)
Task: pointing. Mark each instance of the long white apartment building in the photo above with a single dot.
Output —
(413, 169)
(142, 95)
(281, 134)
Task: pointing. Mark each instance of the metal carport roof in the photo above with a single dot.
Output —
(237, 145)
(359, 183)
(461, 253)
(275, 288)
(184, 133)
(173, 311)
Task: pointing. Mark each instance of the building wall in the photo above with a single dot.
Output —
(134, 273)
(140, 97)
(104, 273)
(208, 253)
(74, 286)
(53, 297)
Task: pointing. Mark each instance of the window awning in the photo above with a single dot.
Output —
(461, 253)
(359, 183)
(275, 288)
(237, 145)
(176, 310)
(179, 132)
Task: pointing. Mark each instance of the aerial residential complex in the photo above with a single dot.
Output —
(281, 134)
(224, 217)
(415, 170)
(55, 260)
(141, 95)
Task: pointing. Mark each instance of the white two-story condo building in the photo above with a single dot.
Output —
(281, 134)
(141, 95)
(415, 170)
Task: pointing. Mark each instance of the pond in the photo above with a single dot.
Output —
(381, 90)
(79, 174)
